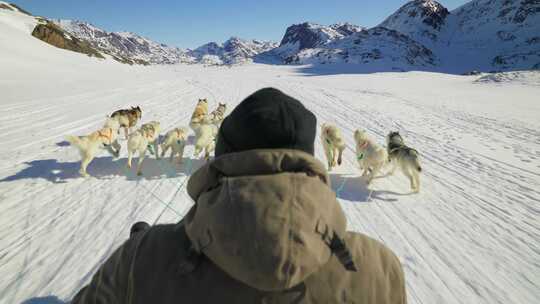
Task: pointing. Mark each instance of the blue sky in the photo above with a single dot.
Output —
(189, 24)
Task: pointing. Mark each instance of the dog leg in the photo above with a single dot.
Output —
(339, 157)
(328, 157)
(156, 148)
(84, 164)
(140, 162)
(116, 145)
(130, 155)
(164, 149)
(206, 154)
(197, 151)
(171, 158)
(417, 181)
(126, 132)
(394, 168)
(410, 177)
(181, 154)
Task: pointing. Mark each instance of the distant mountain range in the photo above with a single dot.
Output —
(481, 35)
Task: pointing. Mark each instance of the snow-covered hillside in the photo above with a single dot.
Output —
(375, 49)
(484, 35)
(125, 44)
(470, 236)
(480, 35)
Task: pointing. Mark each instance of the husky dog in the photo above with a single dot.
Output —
(176, 140)
(200, 114)
(145, 138)
(128, 118)
(217, 116)
(205, 139)
(89, 145)
(370, 156)
(405, 157)
(333, 144)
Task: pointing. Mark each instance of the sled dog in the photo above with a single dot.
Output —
(128, 118)
(400, 155)
(176, 140)
(370, 156)
(333, 144)
(145, 138)
(205, 140)
(217, 116)
(89, 145)
(200, 114)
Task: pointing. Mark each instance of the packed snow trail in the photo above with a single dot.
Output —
(472, 235)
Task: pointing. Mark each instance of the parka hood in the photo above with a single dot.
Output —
(268, 218)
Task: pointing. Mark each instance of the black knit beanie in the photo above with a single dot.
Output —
(267, 119)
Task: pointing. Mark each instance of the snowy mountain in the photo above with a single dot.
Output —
(422, 20)
(379, 48)
(307, 35)
(232, 51)
(125, 44)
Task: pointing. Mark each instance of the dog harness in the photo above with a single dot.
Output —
(106, 133)
(362, 146)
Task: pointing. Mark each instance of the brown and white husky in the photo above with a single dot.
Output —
(127, 118)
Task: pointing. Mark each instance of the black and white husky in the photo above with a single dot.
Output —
(400, 155)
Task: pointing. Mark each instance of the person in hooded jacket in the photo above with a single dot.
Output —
(265, 227)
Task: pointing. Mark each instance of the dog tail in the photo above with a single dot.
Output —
(74, 140)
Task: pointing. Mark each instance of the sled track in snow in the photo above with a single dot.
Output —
(470, 236)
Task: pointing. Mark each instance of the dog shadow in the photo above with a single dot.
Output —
(104, 168)
(354, 188)
(44, 300)
(163, 168)
(64, 143)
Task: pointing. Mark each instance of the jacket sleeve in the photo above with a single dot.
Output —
(111, 283)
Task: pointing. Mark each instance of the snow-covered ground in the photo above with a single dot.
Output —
(471, 236)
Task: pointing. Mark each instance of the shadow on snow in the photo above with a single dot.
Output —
(104, 168)
(44, 300)
(353, 188)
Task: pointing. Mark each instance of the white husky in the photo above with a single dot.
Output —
(205, 139)
(176, 140)
(145, 138)
(333, 144)
(370, 156)
(90, 145)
